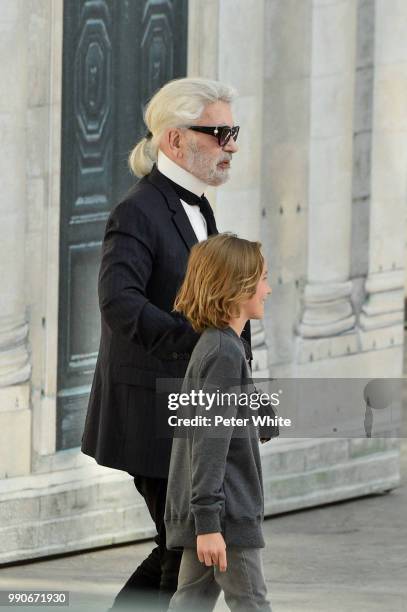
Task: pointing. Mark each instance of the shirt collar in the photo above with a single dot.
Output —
(179, 176)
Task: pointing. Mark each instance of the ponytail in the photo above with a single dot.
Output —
(143, 157)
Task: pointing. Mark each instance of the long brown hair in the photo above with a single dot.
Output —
(222, 272)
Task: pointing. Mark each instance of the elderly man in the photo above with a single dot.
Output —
(189, 145)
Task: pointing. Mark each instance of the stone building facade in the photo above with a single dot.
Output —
(320, 178)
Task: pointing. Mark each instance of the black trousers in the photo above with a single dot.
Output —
(155, 580)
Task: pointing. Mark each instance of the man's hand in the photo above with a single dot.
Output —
(211, 550)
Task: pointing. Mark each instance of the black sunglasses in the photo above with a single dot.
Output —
(222, 132)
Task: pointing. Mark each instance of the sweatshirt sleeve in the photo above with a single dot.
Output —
(210, 445)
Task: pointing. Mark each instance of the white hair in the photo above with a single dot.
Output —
(177, 104)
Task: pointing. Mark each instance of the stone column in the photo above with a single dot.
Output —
(203, 37)
(214, 53)
(240, 63)
(238, 202)
(381, 319)
(285, 169)
(221, 49)
(14, 357)
(327, 306)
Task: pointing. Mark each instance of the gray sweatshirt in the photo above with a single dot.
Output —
(215, 480)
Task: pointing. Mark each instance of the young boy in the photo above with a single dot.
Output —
(214, 506)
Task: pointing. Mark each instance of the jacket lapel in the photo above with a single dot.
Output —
(179, 215)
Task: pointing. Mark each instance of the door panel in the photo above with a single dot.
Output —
(116, 55)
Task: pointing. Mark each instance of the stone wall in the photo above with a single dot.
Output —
(320, 178)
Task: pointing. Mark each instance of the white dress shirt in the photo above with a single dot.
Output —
(188, 181)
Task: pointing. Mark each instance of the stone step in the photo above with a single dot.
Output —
(93, 508)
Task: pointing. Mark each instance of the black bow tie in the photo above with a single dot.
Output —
(187, 196)
(194, 200)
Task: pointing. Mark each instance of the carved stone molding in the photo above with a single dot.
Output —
(327, 310)
(384, 305)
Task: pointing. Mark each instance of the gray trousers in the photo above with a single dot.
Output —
(243, 583)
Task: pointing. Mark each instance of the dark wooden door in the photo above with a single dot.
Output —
(116, 54)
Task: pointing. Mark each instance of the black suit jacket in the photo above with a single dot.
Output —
(144, 257)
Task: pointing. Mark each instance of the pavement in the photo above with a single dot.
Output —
(343, 557)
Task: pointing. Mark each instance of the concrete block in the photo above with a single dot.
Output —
(358, 477)
(271, 461)
(333, 31)
(10, 10)
(57, 26)
(12, 163)
(383, 338)
(286, 110)
(38, 42)
(332, 181)
(54, 161)
(389, 159)
(246, 223)
(330, 452)
(241, 64)
(36, 204)
(280, 314)
(297, 473)
(286, 487)
(54, 535)
(107, 521)
(391, 25)
(17, 511)
(287, 39)
(56, 505)
(22, 538)
(38, 141)
(286, 173)
(86, 497)
(10, 227)
(44, 430)
(292, 461)
(382, 302)
(391, 97)
(312, 457)
(137, 520)
(246, 165)
(370, 364)
(317, 349)
(332, 106)
(203, 38)
(108, 493)
(15, 433)
(13, 53)
(15, 397)
(361, 447)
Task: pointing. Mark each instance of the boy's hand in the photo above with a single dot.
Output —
(211, 550)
